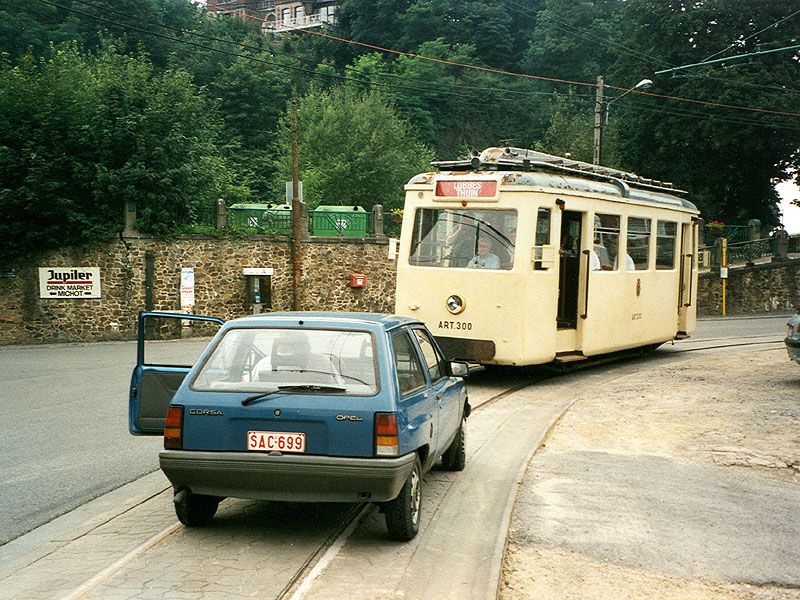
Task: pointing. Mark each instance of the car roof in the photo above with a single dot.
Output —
(324, 319)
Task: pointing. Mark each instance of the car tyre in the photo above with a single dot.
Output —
(195, 510)
(455, 457)
(403, 513)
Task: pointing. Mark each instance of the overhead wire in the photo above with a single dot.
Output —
(386, 85)
(539, 77)
(312, 73)
(797, 12)
(574, 30)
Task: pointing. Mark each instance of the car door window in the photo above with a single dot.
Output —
(433, 359)
(410, 376)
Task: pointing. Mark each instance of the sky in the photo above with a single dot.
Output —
(790, 213)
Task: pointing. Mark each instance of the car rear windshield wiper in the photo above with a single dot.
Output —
(250, 399)
(325, 389)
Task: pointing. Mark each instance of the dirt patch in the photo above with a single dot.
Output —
(731, 410)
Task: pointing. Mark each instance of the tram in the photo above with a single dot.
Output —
(516, 257)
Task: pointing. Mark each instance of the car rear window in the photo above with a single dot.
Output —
(262, 360)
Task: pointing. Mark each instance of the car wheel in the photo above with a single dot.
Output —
(195, 510)
(455, 457)
(402, 514)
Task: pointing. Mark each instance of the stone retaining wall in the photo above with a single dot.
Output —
(220, 288)
(760, 288)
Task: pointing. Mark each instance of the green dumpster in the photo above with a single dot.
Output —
(278, 219)
(246, 215)
(340, 221)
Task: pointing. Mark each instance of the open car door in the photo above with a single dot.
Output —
(168, 345)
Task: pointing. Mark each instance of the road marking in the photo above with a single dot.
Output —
(120, 564)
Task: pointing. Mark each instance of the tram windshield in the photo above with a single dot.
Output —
(473, 239)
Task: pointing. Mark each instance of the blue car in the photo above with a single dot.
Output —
(304, 407)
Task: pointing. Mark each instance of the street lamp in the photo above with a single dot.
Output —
(601, 113)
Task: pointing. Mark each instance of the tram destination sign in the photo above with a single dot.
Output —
(466, 188)
(69, 282)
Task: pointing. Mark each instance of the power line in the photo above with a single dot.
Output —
(647, 58)
(349, 80)
(797, 12)
(371, 83)
(539, 77)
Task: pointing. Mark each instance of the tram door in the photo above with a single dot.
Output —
(688, 283)
(569, 269)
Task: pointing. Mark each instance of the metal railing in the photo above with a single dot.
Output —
(776, 247)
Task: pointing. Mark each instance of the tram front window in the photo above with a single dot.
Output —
(482, 239)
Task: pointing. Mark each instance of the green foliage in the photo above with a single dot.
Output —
(728, 159)
(81, 137)
(157, 104)
(353, 150)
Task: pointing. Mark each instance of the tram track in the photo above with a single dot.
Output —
(317, 559)
(302, 579)
(717, 346)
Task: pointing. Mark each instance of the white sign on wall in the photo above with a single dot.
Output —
(187, 287)
(69, 282)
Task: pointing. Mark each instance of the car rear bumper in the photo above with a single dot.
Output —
(287, 477)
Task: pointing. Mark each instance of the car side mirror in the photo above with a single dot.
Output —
(459, 369)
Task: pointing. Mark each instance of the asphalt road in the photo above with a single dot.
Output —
(63, 426)
(64, 429)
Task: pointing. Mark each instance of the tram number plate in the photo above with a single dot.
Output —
(276, 441)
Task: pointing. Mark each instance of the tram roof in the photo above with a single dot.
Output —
(629, 184)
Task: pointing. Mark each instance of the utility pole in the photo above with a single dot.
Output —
(296, 249)
(599, 113)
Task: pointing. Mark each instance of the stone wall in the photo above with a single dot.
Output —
(753, 289)
(220, 288)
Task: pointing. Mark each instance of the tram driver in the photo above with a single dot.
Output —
(484, 259)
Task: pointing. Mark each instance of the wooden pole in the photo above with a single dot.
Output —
(297, 264)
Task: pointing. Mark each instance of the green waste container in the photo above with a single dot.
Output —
(247, 215)
(278, 219)
(340, 221)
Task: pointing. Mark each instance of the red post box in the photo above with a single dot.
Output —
(357, 280)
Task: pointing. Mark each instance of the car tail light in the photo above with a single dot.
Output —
(173, 428)
(386, 443)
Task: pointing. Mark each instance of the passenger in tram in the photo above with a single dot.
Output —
(613, 250)
(484, 259)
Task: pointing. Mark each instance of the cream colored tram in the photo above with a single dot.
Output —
(516, 257)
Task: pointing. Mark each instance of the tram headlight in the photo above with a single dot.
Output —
(455, 304)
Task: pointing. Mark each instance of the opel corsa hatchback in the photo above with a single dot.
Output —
(309, 407)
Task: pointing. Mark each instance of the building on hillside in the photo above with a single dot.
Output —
(279, 15)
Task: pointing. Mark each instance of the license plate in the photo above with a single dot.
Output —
(276, 441)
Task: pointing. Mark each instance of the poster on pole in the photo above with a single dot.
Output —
(69, 282)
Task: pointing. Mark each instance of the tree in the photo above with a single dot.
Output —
(354, 150)
(133, 25)
(728, 159)
(252, 98)
(80, 137)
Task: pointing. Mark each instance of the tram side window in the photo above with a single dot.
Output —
(639, 242)
(605, 249)
(666, 232)
(464, 238)
(542, 238)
